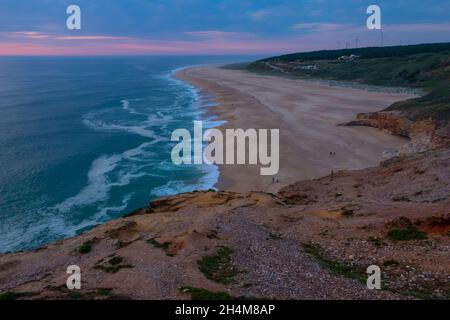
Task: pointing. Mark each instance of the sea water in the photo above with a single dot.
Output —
(87, 139)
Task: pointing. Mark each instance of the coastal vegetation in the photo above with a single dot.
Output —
(11, 295)
(336, 267)
(424, 68)
(165, 246)
(293, 246)
(203, 294)
(114, 265)
(405, 234)
(219, 267)
(86, 247)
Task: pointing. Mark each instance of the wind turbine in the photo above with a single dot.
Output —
(382, 36)
(356, 42)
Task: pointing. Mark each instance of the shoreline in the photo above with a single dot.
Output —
(209, 173)
(247, 100)
(153, 253)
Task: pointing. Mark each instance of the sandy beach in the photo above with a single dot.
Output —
(308, 115)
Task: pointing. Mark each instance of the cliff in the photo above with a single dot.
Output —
(312, 240)
(423, 69)
(424, 134)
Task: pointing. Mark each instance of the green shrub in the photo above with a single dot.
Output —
(219, 267)
(85, 247)
(203, 294)
(336, 267)
(406, 234)
(10, 295)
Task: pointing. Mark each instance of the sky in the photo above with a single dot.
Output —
(214, 27)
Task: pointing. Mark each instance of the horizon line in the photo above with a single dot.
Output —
(208, 54)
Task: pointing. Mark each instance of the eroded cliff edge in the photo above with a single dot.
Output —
(312, 240)
(424, 134)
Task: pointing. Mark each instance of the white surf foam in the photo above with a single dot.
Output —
(210, 176)
(209, 172)
(126, 107)
(101, 179)
(119, 170)
(98, 184)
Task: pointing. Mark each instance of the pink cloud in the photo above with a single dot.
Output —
(90, 38)
(36, 35)
(211, 34)
(216, 42)
(214, 47)
(321, 27)
(29, 35)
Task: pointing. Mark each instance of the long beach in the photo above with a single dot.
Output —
(308, 115)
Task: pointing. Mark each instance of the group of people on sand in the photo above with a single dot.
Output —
(332, 154)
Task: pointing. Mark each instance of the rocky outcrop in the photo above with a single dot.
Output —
(424, 134)
(313, 240)
(390, 122)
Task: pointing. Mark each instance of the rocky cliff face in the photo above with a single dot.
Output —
(313, 240)
(424, 134)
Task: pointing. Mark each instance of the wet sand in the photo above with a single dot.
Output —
(307, 114)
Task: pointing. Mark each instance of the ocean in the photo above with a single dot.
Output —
(85, 140)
